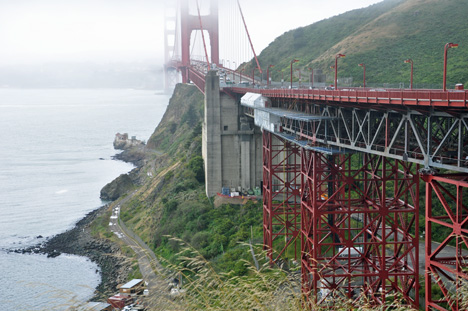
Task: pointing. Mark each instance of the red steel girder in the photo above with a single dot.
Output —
(359, 228)
(281, 195)
(446, 263)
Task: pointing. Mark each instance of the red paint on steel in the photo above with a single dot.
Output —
(415, 97)
(446, 263)
(357, 226)
(281, 196)
(336, 69)
(411, 77)
(446, 47)
(364, 74)
(190, 23)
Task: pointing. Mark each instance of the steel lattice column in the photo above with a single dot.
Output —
(281, 195)
(446, 263)
(358, 222)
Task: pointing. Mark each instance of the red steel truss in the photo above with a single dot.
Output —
(359, 228)
(281, 196)
(446, 263)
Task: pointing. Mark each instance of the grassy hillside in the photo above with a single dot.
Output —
(382, 36)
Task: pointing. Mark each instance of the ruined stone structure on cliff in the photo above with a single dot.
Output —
(122, 142)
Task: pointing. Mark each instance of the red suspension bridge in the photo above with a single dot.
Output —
(342, 168)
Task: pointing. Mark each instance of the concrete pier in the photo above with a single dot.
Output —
(232, 145)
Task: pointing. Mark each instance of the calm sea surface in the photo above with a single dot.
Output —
(55, 156)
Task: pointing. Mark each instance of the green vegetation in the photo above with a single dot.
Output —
(100, 226)
(216, 232)
(260, 288)
(382, 36)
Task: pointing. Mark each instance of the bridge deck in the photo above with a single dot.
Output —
(425, 98)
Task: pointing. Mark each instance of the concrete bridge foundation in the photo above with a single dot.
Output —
(232, 145)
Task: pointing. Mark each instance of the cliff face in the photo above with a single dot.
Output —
(176, 138)
(118, 187)
(175, 142)
(167, 197)
(183, 114)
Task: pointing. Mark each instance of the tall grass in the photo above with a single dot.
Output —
(268, 288)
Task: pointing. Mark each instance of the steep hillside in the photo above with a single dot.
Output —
(382, 36)
(170, 195)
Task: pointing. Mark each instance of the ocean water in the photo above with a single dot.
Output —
(55, 156)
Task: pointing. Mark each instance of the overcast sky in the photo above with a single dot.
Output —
(34, 31)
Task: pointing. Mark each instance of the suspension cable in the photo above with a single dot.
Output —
(203, 36)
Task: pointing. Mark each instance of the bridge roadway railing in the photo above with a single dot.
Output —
(197, 78)
(456, 99)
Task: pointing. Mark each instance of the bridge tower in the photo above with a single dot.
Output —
(188, 24)
(170, 45)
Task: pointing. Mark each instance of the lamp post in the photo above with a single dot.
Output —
(268, 75)
(282, 77)
(300, 78)
(311, 77)
(447, 46)
(233, 77)
(410, 61)
(292, 62)
(253, 76)
(336, 68)
(363, 67)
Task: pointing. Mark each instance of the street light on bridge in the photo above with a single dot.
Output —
(336, 68)
(447, 46)
(253, 76)
(282, 77)
(233, 77)
(268, 75)
(300, 78)
(291, 71)
(364, 74)
(311, 77)
(410, 61)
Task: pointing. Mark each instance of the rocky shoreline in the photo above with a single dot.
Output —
(114, 267)
(113, 264)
